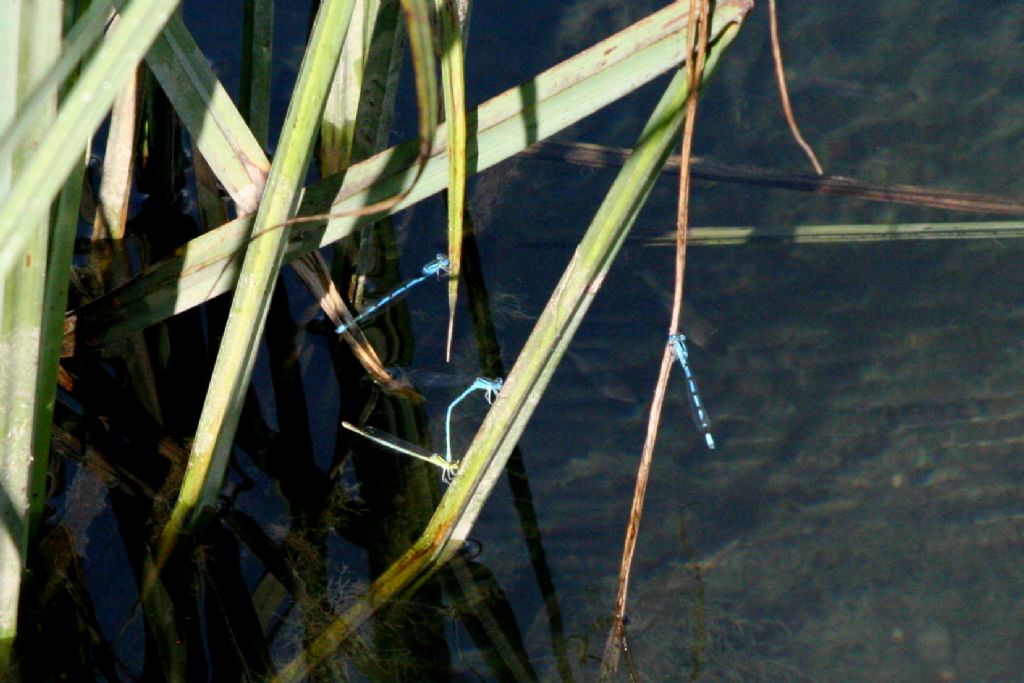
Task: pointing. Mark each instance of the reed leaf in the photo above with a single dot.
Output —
(380, 81)
(206, 109)
(30, 38)
(80, 115)
(418, 27)
(233, 368)
(359, 108)
(846, 234)
(453, 80)
(505, 125)
(421, 45)
(337, 130)
(504, 424)
(82, 36)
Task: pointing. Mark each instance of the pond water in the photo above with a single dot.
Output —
(862, 517)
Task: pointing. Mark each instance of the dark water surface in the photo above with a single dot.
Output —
(862, 518)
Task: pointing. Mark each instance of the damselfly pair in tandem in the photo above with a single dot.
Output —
(449, 466)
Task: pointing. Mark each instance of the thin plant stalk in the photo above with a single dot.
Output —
(780, 78)
(849, 234)
(58, 266)
(697, 44)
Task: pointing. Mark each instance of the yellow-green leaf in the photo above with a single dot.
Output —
(453, 77)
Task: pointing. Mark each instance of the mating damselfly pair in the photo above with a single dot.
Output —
(448, 464)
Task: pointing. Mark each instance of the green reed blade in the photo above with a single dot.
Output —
(82, 36)
(421, 45)
(230, 380)
(453, 79)
(206, 109)
(30, 40)
(337, 130)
